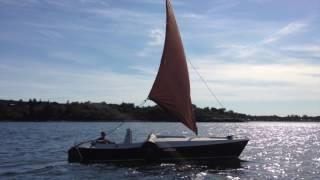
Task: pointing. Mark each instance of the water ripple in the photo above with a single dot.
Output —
(275, 151)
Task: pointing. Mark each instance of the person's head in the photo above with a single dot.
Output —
(103, 134)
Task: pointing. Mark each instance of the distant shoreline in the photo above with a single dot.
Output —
(136, 121)
(157, 121)
(45, 111)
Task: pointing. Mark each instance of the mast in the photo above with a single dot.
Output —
(171, 88)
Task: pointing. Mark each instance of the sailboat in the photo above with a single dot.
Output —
(171, 91)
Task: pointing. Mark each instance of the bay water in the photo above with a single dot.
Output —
(276, 150)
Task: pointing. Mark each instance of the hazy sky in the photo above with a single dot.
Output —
(258, 56)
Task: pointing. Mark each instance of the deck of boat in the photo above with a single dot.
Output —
(165, 142)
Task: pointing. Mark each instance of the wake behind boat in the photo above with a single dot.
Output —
(171, 91)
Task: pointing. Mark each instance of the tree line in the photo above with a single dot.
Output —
(37, 110)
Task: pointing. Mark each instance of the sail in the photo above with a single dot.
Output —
(171, 89)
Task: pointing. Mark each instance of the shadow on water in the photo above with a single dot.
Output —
(217, 164)
(141, 170)
(171, 170)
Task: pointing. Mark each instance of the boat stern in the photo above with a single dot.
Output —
(74, 155)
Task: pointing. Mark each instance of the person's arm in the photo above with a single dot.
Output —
(101, 140)
(109, 142)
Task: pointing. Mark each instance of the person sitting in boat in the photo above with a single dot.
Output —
(103, 140)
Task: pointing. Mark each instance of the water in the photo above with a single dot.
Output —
(275, 151)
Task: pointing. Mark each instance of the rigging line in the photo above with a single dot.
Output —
(123, 121)
(116, 128)
(143, 102)
(205, 82)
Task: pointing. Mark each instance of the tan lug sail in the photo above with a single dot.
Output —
(171, 89)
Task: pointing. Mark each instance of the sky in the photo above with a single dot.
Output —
(259, 57)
